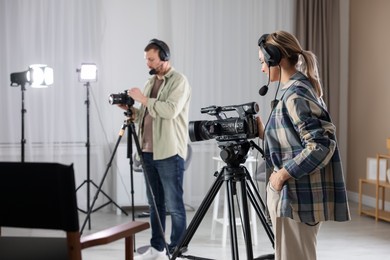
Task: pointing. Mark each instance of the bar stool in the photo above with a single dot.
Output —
(224, 220)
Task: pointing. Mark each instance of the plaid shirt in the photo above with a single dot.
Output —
(301, 138)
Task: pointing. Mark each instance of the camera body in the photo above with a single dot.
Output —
(121, 99)
(226, 129)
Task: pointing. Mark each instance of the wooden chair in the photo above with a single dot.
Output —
(43, 196)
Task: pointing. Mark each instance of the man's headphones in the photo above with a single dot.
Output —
(272, 55)
(163, 49)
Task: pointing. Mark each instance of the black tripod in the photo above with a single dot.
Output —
(233, 154)
(132, 133)
(88, 181)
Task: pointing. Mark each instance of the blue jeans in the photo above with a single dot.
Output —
(166, 181)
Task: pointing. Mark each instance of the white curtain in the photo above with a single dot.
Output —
(214, 43)
(61, 34)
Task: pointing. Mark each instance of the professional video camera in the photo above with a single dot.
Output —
(226, 129)
(121, 99)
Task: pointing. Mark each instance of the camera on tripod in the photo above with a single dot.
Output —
(232, 135)
(121, 99)
(226, 129)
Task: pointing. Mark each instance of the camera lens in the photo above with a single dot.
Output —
(114, 99)
(195, 131)
(204, 130)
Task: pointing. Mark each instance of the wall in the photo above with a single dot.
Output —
(368, 124)
(213, 43)
(342, 127)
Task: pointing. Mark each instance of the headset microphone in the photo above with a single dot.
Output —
(154, 71)
(272, 57)
(264, 89)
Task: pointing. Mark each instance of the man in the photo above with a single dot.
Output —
(163, 135)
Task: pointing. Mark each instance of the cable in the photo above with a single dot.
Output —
(273, 105)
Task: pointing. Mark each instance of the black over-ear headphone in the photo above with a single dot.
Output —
(272, 55)
(163, 47)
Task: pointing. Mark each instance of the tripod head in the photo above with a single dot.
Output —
(235, 152)
(129, 113)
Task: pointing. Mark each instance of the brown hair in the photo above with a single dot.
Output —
(304, 61)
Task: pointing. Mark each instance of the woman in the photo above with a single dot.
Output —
(305, 184)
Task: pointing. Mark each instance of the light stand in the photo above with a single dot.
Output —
(23, 111)
(38, 76)
(87, 74)
(88, 181)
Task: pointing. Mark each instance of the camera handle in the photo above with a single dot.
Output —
(261, 151)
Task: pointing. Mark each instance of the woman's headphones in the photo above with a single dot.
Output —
(272, 55)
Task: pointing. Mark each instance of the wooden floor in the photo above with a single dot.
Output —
(361, 238)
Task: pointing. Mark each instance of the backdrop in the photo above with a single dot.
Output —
(214, 43)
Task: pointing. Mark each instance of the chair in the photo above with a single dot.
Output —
(43, 196)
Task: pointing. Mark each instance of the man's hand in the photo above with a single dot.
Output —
(137, 95)
(123, 106)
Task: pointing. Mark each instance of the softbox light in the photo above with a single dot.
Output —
(87, 72)
(37, 75)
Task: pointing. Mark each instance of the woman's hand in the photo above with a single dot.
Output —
(278, 178)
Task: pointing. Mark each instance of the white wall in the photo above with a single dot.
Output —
(214, 43)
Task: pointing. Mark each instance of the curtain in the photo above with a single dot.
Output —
(61, 34)
(318, 30)
(214, 43)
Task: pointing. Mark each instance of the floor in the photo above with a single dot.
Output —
(361, 238)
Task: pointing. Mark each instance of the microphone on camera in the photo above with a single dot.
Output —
(264, 89)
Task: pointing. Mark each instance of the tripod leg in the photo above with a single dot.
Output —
(246, 224)
(199, 215)
(87, 218)
(110, 200)
(232, 219)
(255, 199)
